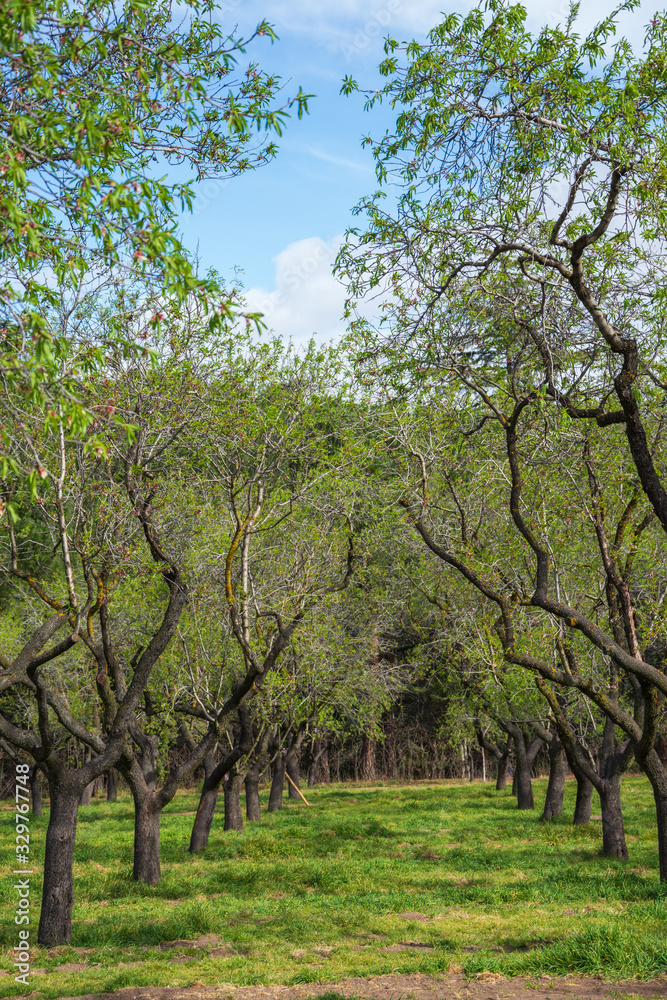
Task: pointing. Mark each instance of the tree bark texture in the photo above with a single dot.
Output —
(253, 809)
(613, 832)
(112, 784)
(525, 755)
(232, 789)
(553, 803)
(584, 803)
(201, 828)
(36, 792)
(276, 793)
(292, 766)
(146, 838)
(55, 922)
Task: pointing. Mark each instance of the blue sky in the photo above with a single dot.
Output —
(281, 224)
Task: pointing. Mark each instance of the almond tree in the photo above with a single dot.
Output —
(526, 263)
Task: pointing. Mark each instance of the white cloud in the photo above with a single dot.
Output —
(339, 161)
(306, 298)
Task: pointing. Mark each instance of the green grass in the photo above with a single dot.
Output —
(313, 895)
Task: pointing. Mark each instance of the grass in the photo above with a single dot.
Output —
(314, 895)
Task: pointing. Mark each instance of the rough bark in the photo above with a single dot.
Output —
(661, 815)
(613, 832)
(553, 803)
(36, 792)
(146, 838)
(657, 774)
(55, 922)
(584, 803)
(232, 789)
(253, 809)
(112, 784)
(276, 793)
(201, 828)
(525, 754)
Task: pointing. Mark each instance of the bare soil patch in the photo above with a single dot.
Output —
(486, 986)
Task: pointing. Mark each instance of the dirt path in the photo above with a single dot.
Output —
(487, 986)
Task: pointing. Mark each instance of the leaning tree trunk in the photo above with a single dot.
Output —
(276, 793)
(201, 828)
(232, 789)
(55, 921)
(613, 832)
(584, 803)
(112, 784)
(253, 809)
(146, 838)
(36, 792)
(553, 804)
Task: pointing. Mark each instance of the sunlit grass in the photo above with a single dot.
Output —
(313, 895)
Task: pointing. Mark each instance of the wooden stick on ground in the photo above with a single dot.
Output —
(297, 789)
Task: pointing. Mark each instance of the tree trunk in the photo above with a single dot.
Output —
(87, 794)
(201, 828)
(613, 833)
(522, 774)
(292, 769)
(232, 788)
(276, 794)
(112, 784)
(501, 777)
(661, 815)
(146, 839)
(55, 922)
(553, 804)
(252, 807)
(36, 792)
(656, 772)
(583, 805)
